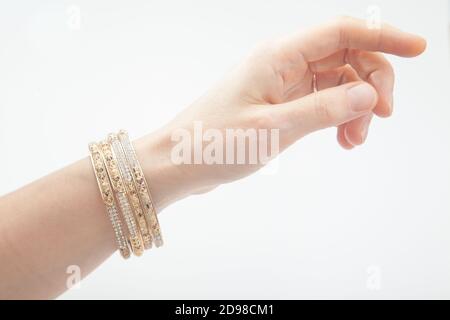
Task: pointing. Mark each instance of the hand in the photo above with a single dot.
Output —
(273, 88)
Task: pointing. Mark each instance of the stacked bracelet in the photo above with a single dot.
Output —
(122, 198)
(108, 198)
(144, 193)
(123, 186)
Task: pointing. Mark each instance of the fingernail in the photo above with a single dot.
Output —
(362, 97)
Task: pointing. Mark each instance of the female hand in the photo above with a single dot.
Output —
(274, 88)
(63, 215)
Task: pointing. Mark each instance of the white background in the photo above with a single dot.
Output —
(370, 223)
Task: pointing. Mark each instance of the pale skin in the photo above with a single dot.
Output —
(60, 220)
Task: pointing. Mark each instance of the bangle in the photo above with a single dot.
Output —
(115, 176)
(130, 188)
(142, 187)
(121, 180)
(108, 198)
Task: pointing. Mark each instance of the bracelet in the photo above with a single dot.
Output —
(108, 198)
(142, 186)
(130, 188)
(124, 189)
(122, 197)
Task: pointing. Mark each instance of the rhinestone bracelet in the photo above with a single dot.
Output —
(121, 179)
(122, 197)
(108, 198)
(142, 186)
(130, 188)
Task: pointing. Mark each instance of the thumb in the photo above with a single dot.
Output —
(329, 107)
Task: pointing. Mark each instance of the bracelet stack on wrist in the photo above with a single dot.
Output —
(124, 189)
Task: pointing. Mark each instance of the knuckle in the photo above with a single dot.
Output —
(322, 110)
(384, 65)
(390, 70)
(341, 25)
(263, 119)
(342, 20)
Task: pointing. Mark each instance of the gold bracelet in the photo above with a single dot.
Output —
(108, 198)
(124, 190)
(131, 189)
(142, 187)
(118, 186)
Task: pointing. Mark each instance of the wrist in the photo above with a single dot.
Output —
(167, 181)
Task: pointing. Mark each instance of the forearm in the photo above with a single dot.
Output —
(55, 222)
(60, 220)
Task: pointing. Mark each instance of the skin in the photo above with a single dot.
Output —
(60, 220)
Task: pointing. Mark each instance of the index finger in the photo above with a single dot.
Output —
(352, 33)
